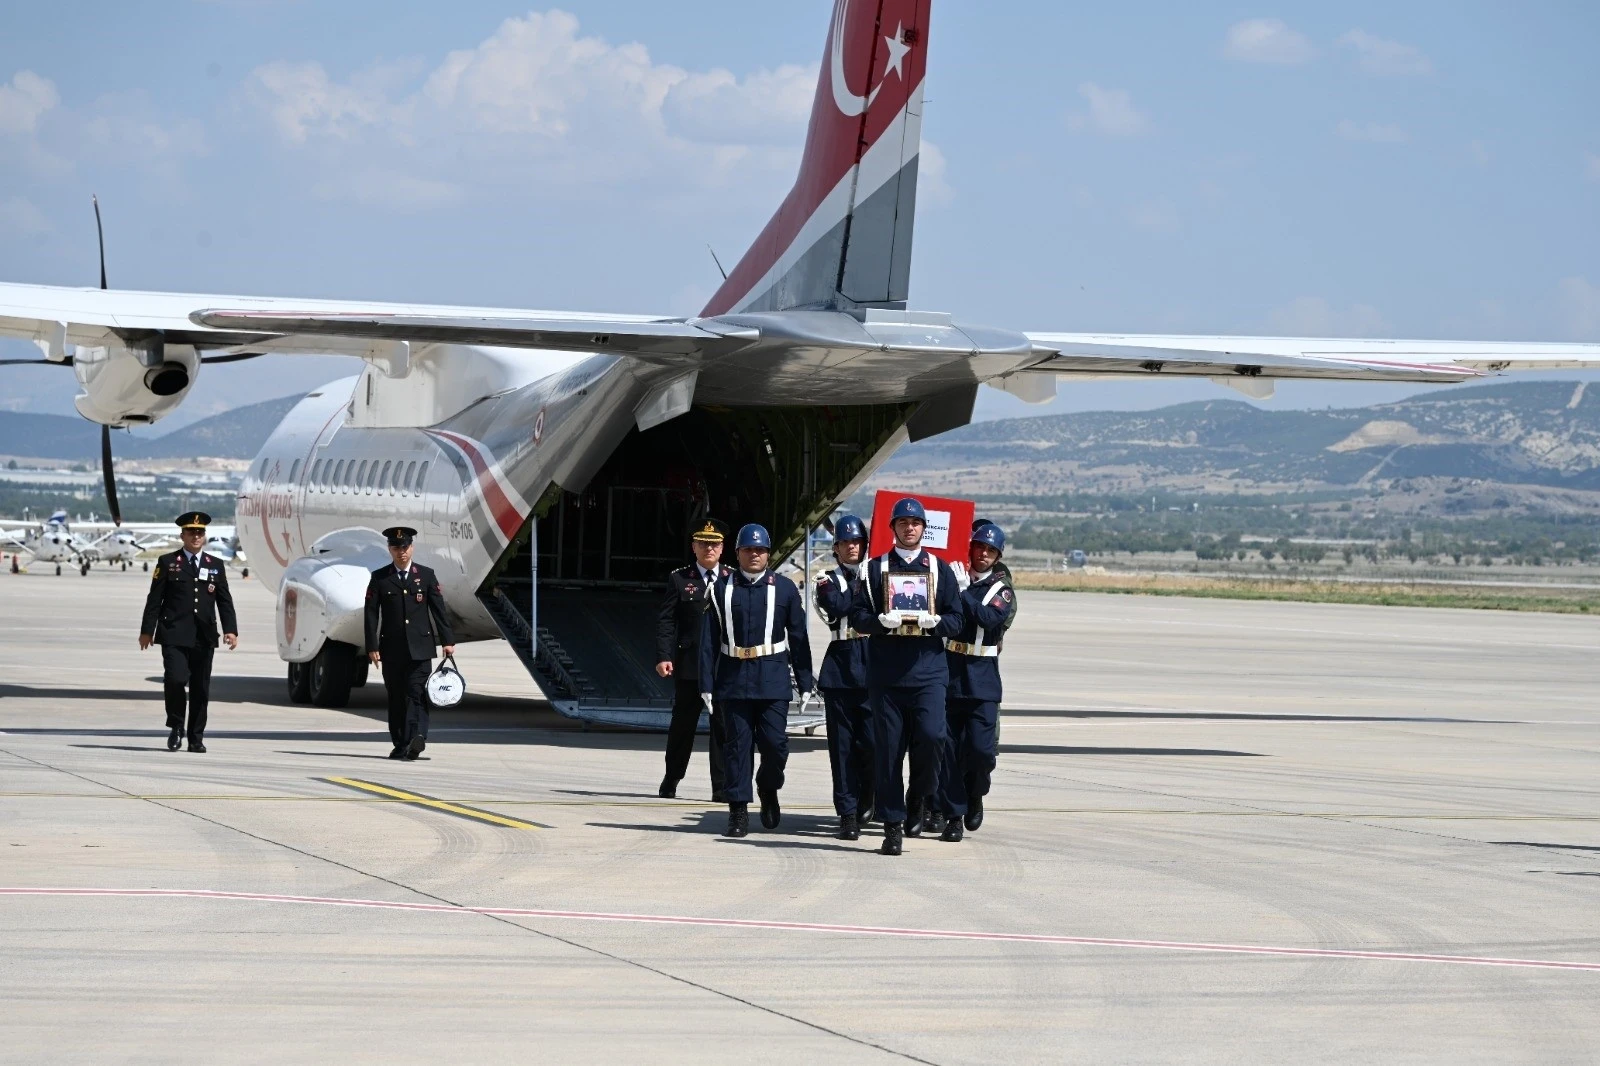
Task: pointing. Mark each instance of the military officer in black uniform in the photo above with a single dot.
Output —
(750, 638)
(405, 618)
(843, 681)
(907, 674)
(188, 592)
(973, 704)
(678, 657)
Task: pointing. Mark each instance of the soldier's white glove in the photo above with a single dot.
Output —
(927, 620)
(963, 579)
(807, 700)
(889, 620)
(705, 698)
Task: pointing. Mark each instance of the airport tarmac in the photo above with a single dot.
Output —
(1219, 832)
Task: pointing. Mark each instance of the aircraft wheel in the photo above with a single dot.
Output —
(84, 570)
(332, 671)
(147, 566)
(58, 570)
(299, 682)
(245, 572)
(363, 664)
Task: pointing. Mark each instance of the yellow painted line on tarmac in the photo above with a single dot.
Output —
(418, 800)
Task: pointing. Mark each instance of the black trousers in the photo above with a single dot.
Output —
(686, 708)
(752, 725)
(403, 680)
(971, 743)
(849, 718)
(187, 669)
(906, 720)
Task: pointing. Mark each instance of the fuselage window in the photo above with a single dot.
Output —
(361, 476)
(422, 478)
(338, 476)
(372, 475)
(294, 472)
(383, 478)
(411, 472)
(316, 473)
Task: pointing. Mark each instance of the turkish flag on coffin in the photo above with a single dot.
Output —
(949, 524)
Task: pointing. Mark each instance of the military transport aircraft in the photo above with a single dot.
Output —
(552, 460)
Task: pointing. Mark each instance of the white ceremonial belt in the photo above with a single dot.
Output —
(977, 650)
(758, 652)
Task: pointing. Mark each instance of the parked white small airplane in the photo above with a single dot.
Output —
(555, 462)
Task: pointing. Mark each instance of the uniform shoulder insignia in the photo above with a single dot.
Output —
(1005, 594)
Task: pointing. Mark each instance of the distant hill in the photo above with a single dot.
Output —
(236, 434)
(1536, 433)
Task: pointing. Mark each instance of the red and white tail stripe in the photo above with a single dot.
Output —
(842, 237)
(502, 505)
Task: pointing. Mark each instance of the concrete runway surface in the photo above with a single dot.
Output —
(1220, 832)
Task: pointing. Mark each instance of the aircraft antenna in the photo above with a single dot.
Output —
(717, 261)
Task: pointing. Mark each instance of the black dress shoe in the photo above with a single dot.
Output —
(974, 813)
(174, 738)
(668, 789)
(934, 822)
(849, 828)
(397, 753)
(738, 820)
(913, 825)
(414, 748)
(891, 838)
(952, 830)
(771, 813)
(195, 745)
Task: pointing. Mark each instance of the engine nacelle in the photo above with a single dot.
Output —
(323, 596)
(135, 384)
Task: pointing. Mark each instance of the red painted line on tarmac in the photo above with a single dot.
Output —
(820, 927)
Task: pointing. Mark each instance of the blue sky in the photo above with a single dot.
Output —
(1429, 169)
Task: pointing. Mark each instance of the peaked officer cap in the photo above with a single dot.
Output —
(992, 535)
(849, 527)
(754, 536)
(193, 520)
(399, 536)
(710, 533)
(908, 508)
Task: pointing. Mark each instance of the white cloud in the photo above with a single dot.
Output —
(1580, 300)
(1267, 41)
(537, 102)
(1375, 55)
(1371, 132)
(1591, 166)
(1313, 316)
(24, 100)
(21, 217)
(1111, 112)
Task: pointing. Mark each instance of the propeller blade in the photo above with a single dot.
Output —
(101, 234)
(232, 358)
(36, 362)
(111, 480)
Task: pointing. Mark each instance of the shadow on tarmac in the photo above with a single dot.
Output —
(1537, 844)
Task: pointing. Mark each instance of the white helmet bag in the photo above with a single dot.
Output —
(446, 685)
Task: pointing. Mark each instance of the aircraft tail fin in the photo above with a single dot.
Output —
(842, 237)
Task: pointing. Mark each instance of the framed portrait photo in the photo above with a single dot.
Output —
(906, 591)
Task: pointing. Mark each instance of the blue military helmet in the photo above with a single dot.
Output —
(992, 535)
(753, 536)
(849, 527)
(908, 508)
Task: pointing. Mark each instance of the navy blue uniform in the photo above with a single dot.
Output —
(907, 678)
(187, 594)
(973, 704)
(751, 634)
(843, 681)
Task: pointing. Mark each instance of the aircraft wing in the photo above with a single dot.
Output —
(1299, 357)
(53, 315)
